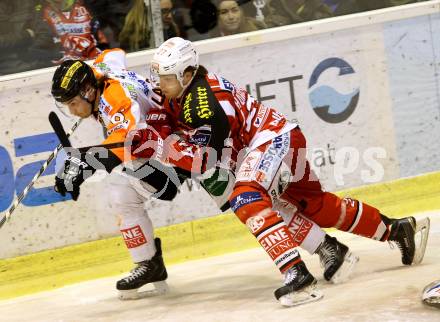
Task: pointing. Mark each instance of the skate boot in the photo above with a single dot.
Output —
(299, 287)
(410, 237)
(149, 271)
(337, 260)
(431, 294)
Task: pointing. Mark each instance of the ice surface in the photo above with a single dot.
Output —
(239, 287)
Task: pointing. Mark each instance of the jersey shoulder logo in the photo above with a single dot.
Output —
(204, 110)
(199, 104)
(226, 85)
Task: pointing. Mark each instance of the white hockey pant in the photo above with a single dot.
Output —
(127, 199)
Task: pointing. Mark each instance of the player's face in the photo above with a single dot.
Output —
(78, 106)
(229, 16)
(170, 86)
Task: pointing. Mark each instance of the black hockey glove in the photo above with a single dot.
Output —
(75, 171)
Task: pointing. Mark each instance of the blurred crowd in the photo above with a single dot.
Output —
(42, 33)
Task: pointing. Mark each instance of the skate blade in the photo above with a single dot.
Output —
(421, 239)
(434, 302)
(160, 288)
(344, 272)
(306, 295)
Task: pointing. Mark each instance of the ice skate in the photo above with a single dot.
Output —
(150, 271)
(337, 260)
(299, 287)
(411, 237)
(431, 294)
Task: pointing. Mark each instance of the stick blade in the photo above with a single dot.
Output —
(59, 130)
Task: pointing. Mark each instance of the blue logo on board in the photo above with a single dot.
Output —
(329, 104)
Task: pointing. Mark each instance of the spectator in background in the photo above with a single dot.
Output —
(203, 19)
(135, 34)
(111, 15)
(181, 15)
(25, 40)
(170, 27)
(73, 26)
(231, 20)
(285, 12)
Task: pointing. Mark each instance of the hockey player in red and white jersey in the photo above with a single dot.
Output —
(217, 124)
(72, 24)
(119, 99)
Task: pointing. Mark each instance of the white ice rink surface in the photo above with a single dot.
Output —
(239, 287)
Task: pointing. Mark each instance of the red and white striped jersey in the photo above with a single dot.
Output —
(251, 122)
(75, 29)
(216, 113)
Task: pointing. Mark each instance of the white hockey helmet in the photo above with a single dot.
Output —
(172, 58)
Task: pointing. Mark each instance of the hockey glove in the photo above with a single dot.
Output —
(160, 120)
(147, 141)
(144, 143)
(75, 171)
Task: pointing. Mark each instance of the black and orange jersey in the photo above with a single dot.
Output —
(125, 99)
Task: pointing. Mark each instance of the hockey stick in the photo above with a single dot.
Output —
(43, 168)
(64, 138)
(108, 146)
(59, 130)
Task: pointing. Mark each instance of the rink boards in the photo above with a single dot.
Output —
(375, 72)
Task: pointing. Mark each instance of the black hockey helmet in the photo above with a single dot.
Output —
(70, 78)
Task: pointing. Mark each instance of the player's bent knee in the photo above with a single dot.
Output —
(248, 201)
(124, 197)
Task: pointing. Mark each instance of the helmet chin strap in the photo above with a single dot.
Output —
(184, 87)
(94, 104)
(91, 102)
